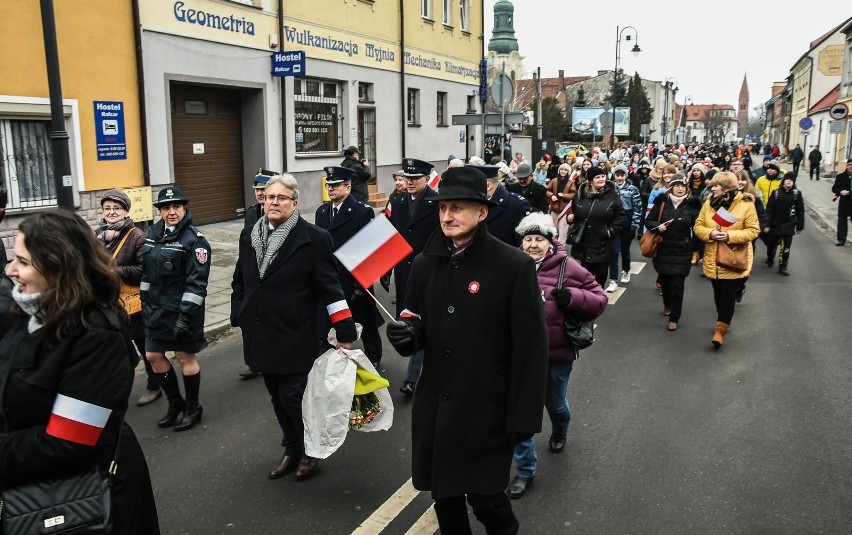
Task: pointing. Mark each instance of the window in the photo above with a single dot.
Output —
(442, 109)
(413, 108)
(365, 92)
(316, 118)
(426, 9)
(447, 16)
(26, 163)
(471, 103)
(464, 15)
(195, 107)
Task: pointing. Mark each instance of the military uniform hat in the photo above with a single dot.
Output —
(413, 167)
(169, 195)
(490, 171)
(262, 177)
(338, 175)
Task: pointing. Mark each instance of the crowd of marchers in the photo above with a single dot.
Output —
(504, 255)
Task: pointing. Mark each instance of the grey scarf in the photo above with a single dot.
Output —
(29, 304)
(266, 245)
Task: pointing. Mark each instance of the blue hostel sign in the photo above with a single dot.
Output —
(290, 63)
(109, 130)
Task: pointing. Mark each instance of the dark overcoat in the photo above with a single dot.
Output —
(785, 212)
(508, 210)
(94, 366)
(481, 322)
(277, 314)
(534, 193)
(674, 253)
(604, 215)
(253, 213)
(352, 216)
(416, 231)
(843, 181)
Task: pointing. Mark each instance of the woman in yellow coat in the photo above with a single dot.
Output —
(727, 216)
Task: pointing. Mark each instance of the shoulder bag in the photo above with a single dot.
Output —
(581, 334)
(577, 232)
(650, 241)
(130, 296)
(732, 256)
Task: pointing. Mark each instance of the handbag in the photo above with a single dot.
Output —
(732, 256)
(650, 241)
(130, 295)
(577, 232)
(581, 334)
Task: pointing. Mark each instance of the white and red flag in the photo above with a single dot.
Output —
(434, 179)
(567, 210)
(77, 421)
(374, 251)
(724, 218)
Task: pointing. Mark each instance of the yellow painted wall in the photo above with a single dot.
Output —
(97, 62)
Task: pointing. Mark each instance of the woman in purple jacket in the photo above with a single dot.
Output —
(581, 297)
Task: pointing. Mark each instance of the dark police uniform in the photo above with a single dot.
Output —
(506, 213)
(255, 211)
(351, 217)
(175, 269)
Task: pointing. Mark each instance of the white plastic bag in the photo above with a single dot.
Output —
(328, 400)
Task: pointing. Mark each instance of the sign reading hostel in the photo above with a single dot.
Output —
(290, 63)
(109, 130)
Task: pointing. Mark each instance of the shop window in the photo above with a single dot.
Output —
(26, 163)
(413, 107)
(441, 109)
(316, 116)
(195, 107)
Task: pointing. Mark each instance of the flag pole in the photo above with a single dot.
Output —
(381, 306)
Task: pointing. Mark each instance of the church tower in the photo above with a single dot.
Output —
(742, 109)
(503, 55)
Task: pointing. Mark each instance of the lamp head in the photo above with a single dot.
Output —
(636, 49)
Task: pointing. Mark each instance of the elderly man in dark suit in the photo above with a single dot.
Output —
(343, 217)
(473, 303)
(416, 219)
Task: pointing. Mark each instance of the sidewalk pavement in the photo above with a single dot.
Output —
(224, 243)
(817, 196)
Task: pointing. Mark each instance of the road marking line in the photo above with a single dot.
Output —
(612, 298)
(637, 267)
(426, 524)
(389, 510)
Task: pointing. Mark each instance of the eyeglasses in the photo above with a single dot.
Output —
(279, 198)
(113, 208)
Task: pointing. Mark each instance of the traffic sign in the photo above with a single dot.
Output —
(502, 90)
(836, 127)
(839, 111)
(806, 123)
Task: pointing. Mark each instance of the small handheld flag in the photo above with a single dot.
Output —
(724, 218)
(434, 179)
(373, 251)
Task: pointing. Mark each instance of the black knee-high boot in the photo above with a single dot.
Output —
(169, 382)
(192, 414)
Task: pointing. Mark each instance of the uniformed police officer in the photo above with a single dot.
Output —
(415, 218)
(507, 210)
(343, 216)
(175, 269)
(255, 211)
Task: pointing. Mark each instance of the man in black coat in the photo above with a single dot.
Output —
(360, 166)
(343, 217)
(529, 189)
(416, 219)
(474, 304)
(785, 217)
(507, 209)
(284, 269)
(842, 186)
(796, 156)
(815, 159)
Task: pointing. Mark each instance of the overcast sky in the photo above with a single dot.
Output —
(705, 46)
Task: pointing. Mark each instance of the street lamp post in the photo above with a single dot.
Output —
(667, 84)
(635, 50)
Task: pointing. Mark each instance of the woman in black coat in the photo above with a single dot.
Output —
(66, 340)
(674, 253)
(596, 215)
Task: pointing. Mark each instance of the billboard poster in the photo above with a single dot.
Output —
(597, 121)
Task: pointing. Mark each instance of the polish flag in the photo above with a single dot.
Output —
(338, 311)
(409, 314)
(564, 213)
(434, 179)
(374, 251)
(77, 421)
(724, 218)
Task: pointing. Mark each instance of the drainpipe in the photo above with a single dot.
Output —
(281, 89)
(140, 88)
(402, 105)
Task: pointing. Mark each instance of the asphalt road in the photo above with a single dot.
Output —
(667, 435)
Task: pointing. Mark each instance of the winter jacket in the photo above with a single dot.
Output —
(631, 200)
(604, 216)
(785, 212)
(674, 253)
(744, 230)
(588, 300)
(797, 155)
(534, 193)
(563, 185)
(359, 179)
(814, 157)
(765, 186)
(843, 181)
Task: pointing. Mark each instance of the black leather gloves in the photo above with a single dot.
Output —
(182, 326)
(401, 336)
(562, 296)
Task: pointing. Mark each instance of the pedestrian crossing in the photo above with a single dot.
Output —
(427, 524)
(635, 269)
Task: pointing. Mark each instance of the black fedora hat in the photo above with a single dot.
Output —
(462, 184)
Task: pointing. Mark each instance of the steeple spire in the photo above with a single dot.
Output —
(503, 39)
